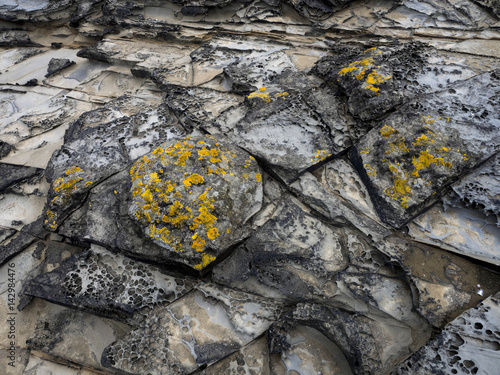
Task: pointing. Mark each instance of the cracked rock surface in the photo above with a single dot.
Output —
(276, 187)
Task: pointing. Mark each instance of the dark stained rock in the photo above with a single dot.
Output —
(289, 254)
(56, 65)
(15, 38)
(5, 149)
(447, 285)
(481, 188)
(15, 243)
(108, 284)
(13, 174)
(356, 335)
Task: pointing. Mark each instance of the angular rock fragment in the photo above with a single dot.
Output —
(109, 285)
(447, 284)
(481, 188)
(309, 352)
(467, 345)
(96, 149)
(13, 174)
(56, 65)
(284, 131)
(14, 244)
(249, 360)
(291, 256)
(74, 336)
(372, 344)
(200, 328)
(319, 193)
(411, 157)
(14, 38)
(193, 196)
(455, 227)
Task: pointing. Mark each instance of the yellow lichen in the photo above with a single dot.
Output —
(359, 70)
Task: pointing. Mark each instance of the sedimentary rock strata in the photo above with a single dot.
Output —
(263, 187)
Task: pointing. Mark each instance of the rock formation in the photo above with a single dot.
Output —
(262, 187)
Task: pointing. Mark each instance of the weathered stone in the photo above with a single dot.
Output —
(410, 159)
(94, 153)
(460, 229)
(467, 345)
(193, 196)
(309, 352)
(447, 285)
(318, 194)
(249, 360)
(16, 39)
(481, 188)
(373, 345)
(292, 254)
(56, 65)
(13, 174)
(200, 328)
(109, 285)
(75, 336)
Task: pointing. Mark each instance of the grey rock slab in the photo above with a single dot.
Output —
(35, 67)
(447, 284)
(467, 345)
(460, 229)
(292, 254)
(283, 131)
(371, 343)
(108, 284)
(310, 352)
(96, 149)
(40, 10)
(418, 151)
(200, 328)
(75, 336)
(317, 193)
(14, 174)
(15, 38)
(251, 359)
(197, 106)
(18, 242)
(56, 65)
(481, 188)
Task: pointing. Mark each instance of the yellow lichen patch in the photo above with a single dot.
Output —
(258, 177)
(206, 259)
(366, 70)
(321, 155)
(371, 171)
(212, 233)
(418, 156)
(400, 190)
(387, 131)
(194, 179)
(72, 170)
(265, 97)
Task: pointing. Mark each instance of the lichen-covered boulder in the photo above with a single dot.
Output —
(412, 156)
(194, 195)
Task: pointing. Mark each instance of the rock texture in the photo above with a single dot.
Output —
(264, 187)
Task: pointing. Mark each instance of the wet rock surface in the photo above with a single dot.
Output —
(264, 187)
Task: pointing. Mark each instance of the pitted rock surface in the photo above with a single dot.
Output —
(275, 187)
(193, 196)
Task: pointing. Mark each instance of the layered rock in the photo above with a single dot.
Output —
(269, 187)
